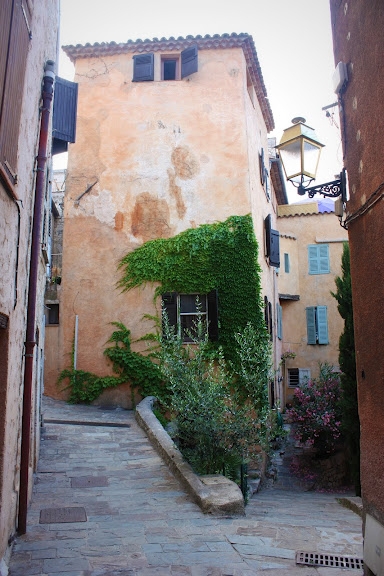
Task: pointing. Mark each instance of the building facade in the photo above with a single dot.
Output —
(28, 50)
(171, 134)
(359, 80)
(311, 245)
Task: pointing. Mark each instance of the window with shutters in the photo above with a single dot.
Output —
(318, 259)
(64, 115)
(297, 376)
(264, 175)
(184, 311)
(173, 66)
(268, 317)
(272, 243)
(15, 36)
(317, 325)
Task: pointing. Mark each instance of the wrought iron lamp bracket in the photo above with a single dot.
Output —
(332, 189)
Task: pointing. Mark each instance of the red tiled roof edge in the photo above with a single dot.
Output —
(217, 41)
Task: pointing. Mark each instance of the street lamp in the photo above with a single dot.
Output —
(299, 151)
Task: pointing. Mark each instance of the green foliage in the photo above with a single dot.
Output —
(133, 367)
(253, 368)
(222, 256)
(86, 387)
(349, 403)
(215, 432)
(316, 411)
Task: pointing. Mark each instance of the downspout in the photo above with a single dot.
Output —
(47, 96)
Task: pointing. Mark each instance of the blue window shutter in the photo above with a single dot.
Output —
(143, 67)
(318, 259)
(279, 315)
(64, 114)
(189, 61)
(311, 324)
(322, 324)
(324, 259)
(313, 259)
(274, 251)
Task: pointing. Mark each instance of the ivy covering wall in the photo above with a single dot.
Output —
(222, 256)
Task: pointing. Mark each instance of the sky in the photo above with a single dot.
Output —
(292, 37)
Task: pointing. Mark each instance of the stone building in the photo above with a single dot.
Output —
(311, 245)
(28, 50)
(358, 40)
(171, 134)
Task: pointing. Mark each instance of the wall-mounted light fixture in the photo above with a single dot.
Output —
(299, 151)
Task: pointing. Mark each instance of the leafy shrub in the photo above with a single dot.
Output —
(215, 433)
(316, 411)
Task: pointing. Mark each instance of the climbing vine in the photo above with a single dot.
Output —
(222, 256)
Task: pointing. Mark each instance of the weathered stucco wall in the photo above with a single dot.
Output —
(162, 157)
(314, 289)
(14, 286)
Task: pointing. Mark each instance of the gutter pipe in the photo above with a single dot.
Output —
(47, 97)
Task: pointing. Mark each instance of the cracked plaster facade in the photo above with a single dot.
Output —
(163, 156)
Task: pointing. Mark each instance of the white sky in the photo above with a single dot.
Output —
(292, 37)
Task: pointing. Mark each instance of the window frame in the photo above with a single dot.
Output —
(170, 58)
(318, 259)
(302, 374)
(317, 325)
(171, 304)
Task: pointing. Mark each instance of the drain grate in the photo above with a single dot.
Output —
(89, 481)
(330, 560)
(61, 515)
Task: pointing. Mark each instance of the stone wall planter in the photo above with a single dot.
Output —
(215, 494)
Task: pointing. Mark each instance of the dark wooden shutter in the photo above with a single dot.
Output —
(267, 235)
(13, 84)
(311, 324)
(274, 250)
(270, 318)
(5, 31)
(213, 316)
(169, 304)
(189, 61)
(143, 67)
(262, 166)
(64, 114)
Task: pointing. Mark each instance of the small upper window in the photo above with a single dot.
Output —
(173, 66)
(170, 68)
(286, 263)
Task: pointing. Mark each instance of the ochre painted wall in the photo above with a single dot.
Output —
(298, 232)
(162, 157)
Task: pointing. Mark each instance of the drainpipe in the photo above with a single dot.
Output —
(47, 96)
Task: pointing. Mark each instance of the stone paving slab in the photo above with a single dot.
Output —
(142, 523)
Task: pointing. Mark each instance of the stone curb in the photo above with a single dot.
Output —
(215, 494)
(353, 503)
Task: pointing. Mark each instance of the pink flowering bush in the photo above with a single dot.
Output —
(316, 411)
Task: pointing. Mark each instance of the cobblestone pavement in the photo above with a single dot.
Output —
(140, 522)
